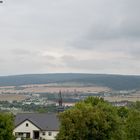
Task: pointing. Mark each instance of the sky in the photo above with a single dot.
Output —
(69, 36)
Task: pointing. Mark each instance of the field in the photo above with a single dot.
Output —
(52, 89)
(19, 93)
(12, 97)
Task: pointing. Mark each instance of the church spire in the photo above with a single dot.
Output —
(60, 102)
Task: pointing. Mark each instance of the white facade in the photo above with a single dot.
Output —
(49, 135)
(29, 130)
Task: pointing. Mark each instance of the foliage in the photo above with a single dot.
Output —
(133, 125)
(6, 127)
(90, 119)
(135, 105)
(123, 112)
(96, 119)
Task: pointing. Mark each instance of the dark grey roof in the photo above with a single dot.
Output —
(45, 121)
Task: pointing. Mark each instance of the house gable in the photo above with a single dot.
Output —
(26, 126)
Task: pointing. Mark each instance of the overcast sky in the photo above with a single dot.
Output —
(86, 36)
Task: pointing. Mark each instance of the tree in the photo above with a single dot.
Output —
(6, 126)
(133, 125)
(135, 105)
(123, 112)
(91, 119)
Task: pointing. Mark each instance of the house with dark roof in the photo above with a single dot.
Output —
(36, 126)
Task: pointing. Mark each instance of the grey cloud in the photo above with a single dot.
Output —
(102, 33)
(18, 51)
(2, 60)
(50, 57)
(118, 21)
(68, 58)
(68, 28)
(98, 66)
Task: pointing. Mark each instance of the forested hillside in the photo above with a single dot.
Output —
(117, 82)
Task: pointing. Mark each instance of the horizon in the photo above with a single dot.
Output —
(112, 74)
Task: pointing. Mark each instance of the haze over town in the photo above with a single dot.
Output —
(51, 36)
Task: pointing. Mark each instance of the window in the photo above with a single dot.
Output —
(16, 134)
(43, 133)
(19, 134)
(27, 135)
(49, 133)
(27, 124)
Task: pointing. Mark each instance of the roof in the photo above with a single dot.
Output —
(44, 121)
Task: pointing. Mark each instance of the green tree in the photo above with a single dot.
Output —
(133, 125)
(123, 112)
(91, 119)
(6, 127)
(41, 110)
(135, 105)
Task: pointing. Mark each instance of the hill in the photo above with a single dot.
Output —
(116, 82)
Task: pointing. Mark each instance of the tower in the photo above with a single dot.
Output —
(60, 103)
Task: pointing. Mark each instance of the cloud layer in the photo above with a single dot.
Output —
(95, 36)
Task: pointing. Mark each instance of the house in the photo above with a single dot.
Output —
(36, 126)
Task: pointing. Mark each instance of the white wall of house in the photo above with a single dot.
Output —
(48, 135)
(22, 128)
